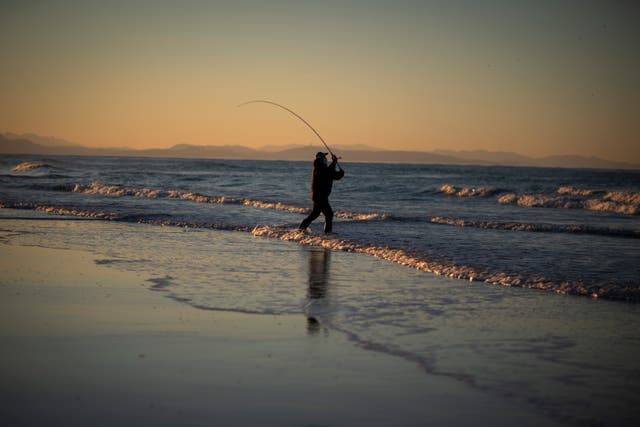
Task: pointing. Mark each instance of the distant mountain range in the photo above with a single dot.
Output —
(38, 145)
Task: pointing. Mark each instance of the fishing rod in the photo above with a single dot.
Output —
(264, 101)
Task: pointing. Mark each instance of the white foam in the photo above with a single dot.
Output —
(451, 190)
(611, 206)
(57, 210)
(407, 257)
(508, 198)
(362, 216)
(564, 197)
(121, 191)
(620, 202)
(27, 166)
(571, 191)
(276, 206)
(547, 201)
(628, 197)
(423, 262)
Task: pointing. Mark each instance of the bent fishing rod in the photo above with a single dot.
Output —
(264, 101)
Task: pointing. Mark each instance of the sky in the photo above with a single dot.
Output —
(537, 78)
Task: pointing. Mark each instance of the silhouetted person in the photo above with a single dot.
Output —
(318, 283)
(321, 183)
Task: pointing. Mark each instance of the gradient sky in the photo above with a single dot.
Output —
(534, 77)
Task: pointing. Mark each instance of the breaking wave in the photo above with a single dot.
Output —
(537, 227)
(354, 216)
(59, 210)
(571, 191)
(620, 202)
(424, 262)
(419, 260)
(121, 191)
(27, 166)
(564, 197)
(451, 190)
(152, 219)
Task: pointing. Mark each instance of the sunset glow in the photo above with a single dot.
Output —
(537, 79)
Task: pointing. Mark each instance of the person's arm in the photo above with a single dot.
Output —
(336, 174)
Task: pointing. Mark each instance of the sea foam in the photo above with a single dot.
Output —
(27, 166)
(451, 190)
(416, 259)
(60, 210)
(424, 262)
(620, 202)
(121, 191)
(564, 197)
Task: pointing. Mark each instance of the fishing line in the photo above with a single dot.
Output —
(264, 101)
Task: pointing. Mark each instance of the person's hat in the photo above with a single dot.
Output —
(320, 154)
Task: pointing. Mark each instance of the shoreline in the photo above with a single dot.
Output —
(90, 344)
(414, 259)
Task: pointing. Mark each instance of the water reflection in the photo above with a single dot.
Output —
(316, 304)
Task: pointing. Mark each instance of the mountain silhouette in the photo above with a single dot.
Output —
(36, 145)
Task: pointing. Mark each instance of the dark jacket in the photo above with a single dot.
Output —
(322, 180)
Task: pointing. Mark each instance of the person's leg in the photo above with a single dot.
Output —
(312, 216)
(328, 217)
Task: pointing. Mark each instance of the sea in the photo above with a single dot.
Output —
(569, 231)
(535, 272)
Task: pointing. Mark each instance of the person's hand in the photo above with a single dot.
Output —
(334, 158)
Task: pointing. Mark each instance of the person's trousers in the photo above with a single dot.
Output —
(319, 207)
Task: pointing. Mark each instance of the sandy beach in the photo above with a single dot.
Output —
(87, 344)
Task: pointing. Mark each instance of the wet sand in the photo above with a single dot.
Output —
(84, 344)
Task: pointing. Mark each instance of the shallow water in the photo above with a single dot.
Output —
(574, 359)
(569, 231)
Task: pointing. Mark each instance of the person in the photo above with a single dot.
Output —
(322, 179)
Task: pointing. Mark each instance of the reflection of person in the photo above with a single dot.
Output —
(321, 183)
(318, 284)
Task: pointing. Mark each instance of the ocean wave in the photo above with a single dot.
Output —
(620, 202)
(411, 258)
(424, 262)
(27, 166)
(451, 190)
(354, 216)
(121, 191)
(60, 210)
(274, 205)
(151, 219)
(564, 197)
(572, 191)
(538, 227)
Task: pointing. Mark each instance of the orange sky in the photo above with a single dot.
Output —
(512, 76)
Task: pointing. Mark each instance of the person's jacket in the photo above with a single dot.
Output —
(322, 180)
